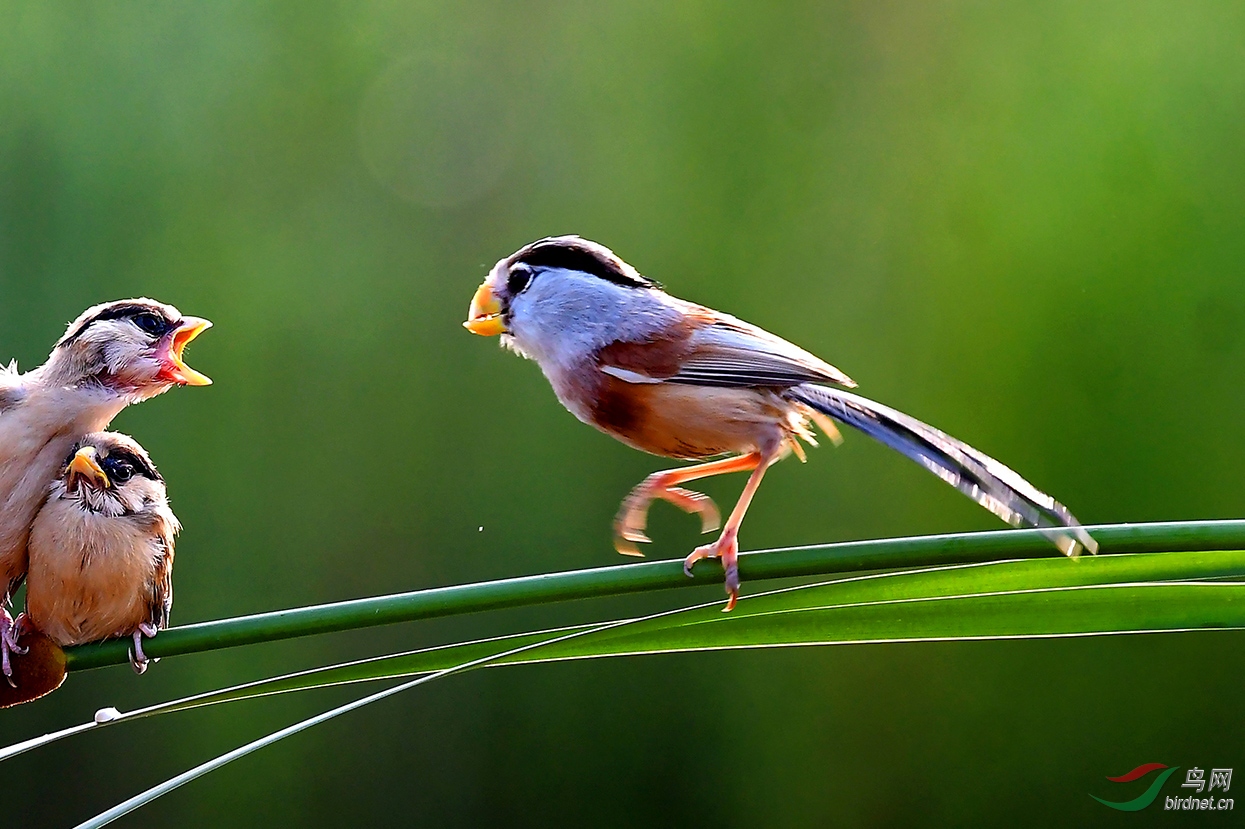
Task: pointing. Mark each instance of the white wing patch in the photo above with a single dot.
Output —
(629, 376)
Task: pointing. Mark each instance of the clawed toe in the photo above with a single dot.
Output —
(21, 626)
(139, 661)
(727, 549)
(625, 547)
(626, 537)
(732, 587)
(632, 519)
(704, 551)
(9, 633)
(695, 502)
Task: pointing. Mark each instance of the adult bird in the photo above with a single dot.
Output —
(101, 549)
(682, 380)
(112, 355)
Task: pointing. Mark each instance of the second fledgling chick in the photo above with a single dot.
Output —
(101, 548)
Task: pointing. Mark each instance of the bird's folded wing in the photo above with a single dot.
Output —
(160, 600)
(722, 352)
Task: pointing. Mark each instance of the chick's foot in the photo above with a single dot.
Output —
(9, 633)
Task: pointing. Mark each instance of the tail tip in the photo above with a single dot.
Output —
(1073, 541)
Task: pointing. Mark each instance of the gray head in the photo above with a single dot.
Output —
(132, 347)
(560, 296)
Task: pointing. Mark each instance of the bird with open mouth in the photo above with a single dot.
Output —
(101, 549)
(682, 380)
(111, 356)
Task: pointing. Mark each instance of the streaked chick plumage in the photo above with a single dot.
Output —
(101, 548)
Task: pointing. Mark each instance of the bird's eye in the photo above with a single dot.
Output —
(520, 275)
(118, 470)
(150, 323)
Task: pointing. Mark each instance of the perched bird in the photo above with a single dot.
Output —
(111, 356)
(101, 548)
(681, 380)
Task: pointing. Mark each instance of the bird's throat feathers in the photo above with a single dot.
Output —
(558, 327)
(92, 502)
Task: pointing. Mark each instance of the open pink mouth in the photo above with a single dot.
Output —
(175, 369)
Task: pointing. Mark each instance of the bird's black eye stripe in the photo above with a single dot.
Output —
(151, 323)
(123, 465)
(520, 276)
(146, 318)
(576, 255)
(119, 471)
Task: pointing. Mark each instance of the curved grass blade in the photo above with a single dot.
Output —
(1019, 599)
(143, 798)
(979, 601)
(812, 560)
(925, 605)
(306, 680)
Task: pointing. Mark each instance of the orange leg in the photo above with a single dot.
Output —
(727, 545)
(633, 516)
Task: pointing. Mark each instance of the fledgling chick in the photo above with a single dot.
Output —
(681, 380)
(101, 548)
(111, 356)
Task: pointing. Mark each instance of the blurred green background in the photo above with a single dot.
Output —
(1022, 223)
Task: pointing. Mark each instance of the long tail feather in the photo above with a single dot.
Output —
(980, 477)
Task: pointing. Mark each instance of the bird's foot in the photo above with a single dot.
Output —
(139, 660)
(725, 548)
(10, 632)
(632, 519)
(694, 502)
(6, 646)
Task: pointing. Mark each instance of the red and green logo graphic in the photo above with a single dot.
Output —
(1145, 798)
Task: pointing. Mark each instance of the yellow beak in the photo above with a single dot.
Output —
(190, 328)
(85, 466)
(484, 317)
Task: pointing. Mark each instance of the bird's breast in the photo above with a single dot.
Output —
(89, 576)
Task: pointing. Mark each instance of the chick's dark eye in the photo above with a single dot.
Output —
(118, 470)
(518, 279)
(151, 323)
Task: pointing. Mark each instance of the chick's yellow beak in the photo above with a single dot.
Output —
(179, 372)
(83, 466)
(484, 317)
